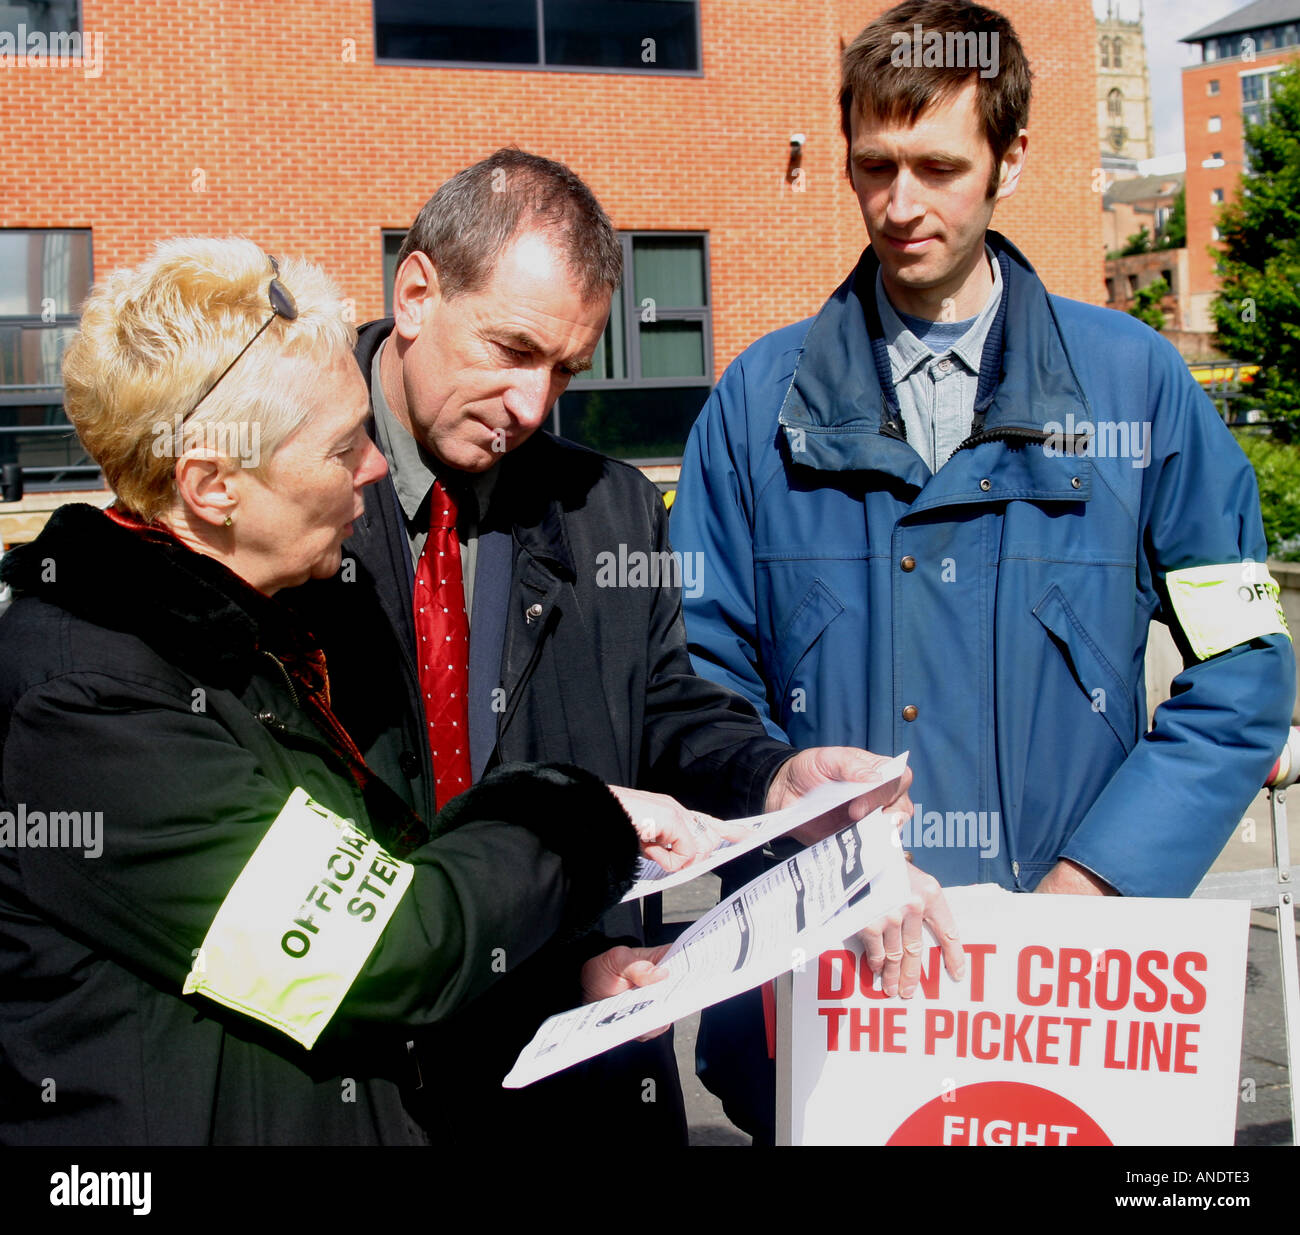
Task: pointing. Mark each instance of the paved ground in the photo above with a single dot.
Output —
(1263, 1113)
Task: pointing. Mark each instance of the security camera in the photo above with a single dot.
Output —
(797, 141)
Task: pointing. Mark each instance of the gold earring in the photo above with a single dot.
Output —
(229, 521)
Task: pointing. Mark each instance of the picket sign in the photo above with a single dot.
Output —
(1080, 1020)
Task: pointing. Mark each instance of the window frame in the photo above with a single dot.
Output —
(540, 65)
(385, 235)
(30, 321)
(632, 320)
(80, 21)
(632, 341)
(51, 477)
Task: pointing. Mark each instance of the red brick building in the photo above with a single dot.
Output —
(1240, 54)
(306, 125)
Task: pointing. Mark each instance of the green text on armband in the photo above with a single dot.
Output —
(300, 921)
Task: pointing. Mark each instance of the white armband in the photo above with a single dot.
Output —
(1219, 607)
(300, 921)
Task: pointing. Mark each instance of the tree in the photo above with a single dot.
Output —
(1146, 304)
(1257, 310)
(1175, 234)
(1138, 242)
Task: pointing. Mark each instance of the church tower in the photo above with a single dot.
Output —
(1123, 89)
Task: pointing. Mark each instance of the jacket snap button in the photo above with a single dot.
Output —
(1075, 482)
(986, 484)
(534, 612)
(908, 563)
(267, 718)
(909, 712)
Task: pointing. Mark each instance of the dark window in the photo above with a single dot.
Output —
(654, 365)
(44, 277)
(43, 16)
(392, 246)
(1110, 290)
(497, 31)
(1105, 53)
(1115, 102)
(616, 35)
(1252, 88)
(1212, 87)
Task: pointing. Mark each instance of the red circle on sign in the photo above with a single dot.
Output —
(999, 1113)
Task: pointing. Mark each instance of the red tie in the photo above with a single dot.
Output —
(442, 648)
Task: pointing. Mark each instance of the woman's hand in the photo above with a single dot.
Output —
(670, 834)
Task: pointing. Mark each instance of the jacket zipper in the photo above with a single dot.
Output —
(995, 435)
(288, 681)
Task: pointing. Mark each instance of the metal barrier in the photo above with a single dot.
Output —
(1272, 888)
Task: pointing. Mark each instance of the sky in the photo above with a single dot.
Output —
(1166, 21)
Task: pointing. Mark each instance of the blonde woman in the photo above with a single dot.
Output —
(216, 925)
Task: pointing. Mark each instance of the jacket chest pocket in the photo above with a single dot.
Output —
(814, 612)
(1095, 675)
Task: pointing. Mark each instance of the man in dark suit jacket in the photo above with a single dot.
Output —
(502, 293)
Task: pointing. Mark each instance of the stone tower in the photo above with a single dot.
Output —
(1123, 88)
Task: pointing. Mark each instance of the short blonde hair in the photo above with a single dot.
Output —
(154, 338)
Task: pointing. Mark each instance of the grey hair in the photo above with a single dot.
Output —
(472, 217)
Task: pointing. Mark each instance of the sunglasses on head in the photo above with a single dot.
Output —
(282, 305)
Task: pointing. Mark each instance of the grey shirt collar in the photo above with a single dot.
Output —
(907, 353)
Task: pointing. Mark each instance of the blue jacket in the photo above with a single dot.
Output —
(991, 618)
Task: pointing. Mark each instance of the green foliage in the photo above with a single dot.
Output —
(1138, 242)
(1257, 310)
(1277, 468)
(1146, 304)
(1175, 234)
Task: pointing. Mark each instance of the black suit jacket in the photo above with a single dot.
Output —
(566, 665)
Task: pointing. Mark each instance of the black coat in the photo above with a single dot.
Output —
(588, 674)
(146, 684)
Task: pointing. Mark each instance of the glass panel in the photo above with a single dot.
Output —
(492, 31)
(38, 435)
(610, 360)
(33, 355)
(392, 246)
(672, 349)
(634, 423)
(623, 34)
(47, 16)
(669, 270)
(42, 271)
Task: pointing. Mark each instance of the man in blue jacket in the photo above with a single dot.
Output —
(940, 516)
